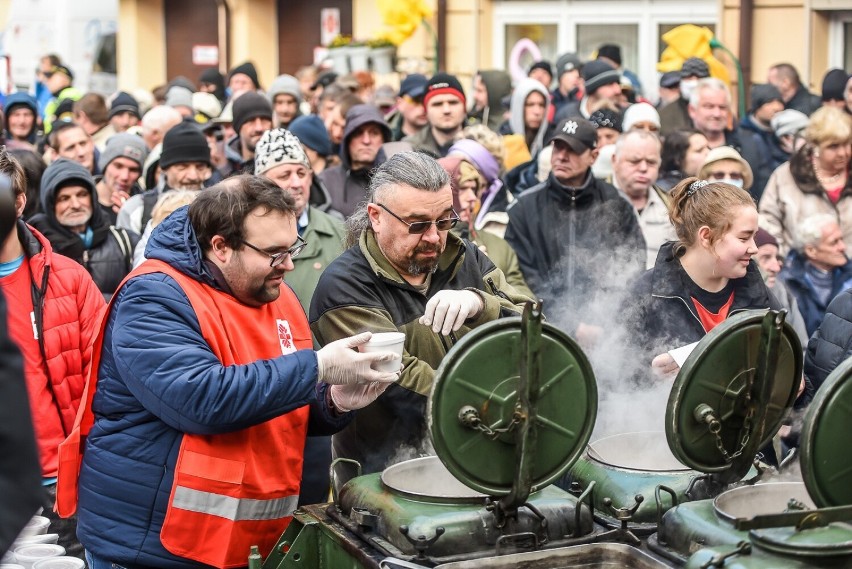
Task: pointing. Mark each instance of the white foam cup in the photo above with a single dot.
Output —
(386, 342)
(27, 555)
(36, 526)
(43, 538)
(11, 566)
(60, 563)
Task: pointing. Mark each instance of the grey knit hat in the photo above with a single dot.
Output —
(178, 96)
(789, 121)
(278, 146)
(123, 145)
(598, 73)
(285, 84)
(567, 62)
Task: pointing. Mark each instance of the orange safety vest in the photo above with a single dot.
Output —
(232, 490)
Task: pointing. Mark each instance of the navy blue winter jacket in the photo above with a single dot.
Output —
(812, 309)
(831, 344)
(159, 379)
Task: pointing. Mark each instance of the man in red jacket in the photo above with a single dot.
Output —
(54, 309)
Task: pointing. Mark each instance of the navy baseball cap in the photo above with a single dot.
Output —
(413, 85)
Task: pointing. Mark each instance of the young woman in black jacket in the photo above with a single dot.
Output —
(698, 281)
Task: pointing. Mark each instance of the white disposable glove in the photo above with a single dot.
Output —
(340, 364)
(448, 310)
(352, 397)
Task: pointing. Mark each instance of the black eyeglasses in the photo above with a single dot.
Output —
(419, 227)
(276, 259)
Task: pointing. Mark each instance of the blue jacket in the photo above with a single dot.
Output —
(159, 379)
(831, 344)
(768, 143)
(793, 275)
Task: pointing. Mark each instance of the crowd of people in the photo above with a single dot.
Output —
(213, 251)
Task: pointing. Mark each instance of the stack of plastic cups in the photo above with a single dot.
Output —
(62, 562)
(32, 544)
(30, 554)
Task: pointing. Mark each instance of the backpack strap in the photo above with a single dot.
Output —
(149, 200)
(124, 244)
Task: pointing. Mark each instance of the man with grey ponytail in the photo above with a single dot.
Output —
(405, 272)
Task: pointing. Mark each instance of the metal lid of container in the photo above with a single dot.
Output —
(833, 540)
(479, 411)
(825, 458)
(732, 393)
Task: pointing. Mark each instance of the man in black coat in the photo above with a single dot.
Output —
(578, 241)
(76, 227)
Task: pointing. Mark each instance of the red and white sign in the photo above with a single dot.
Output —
(329, 25)
(205, 54)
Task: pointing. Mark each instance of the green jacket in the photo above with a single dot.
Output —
(324, 235)
(362, 291)
(504, 257)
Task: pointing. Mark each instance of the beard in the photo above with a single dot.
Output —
(424, 266)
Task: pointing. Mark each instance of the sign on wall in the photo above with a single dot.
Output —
(329, 25)
(205, 54)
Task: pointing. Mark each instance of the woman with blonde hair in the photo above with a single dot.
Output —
(168, 202)
(815, 180)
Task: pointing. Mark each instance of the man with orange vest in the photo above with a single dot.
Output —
(206, 389)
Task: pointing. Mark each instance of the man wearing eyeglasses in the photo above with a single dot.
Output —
(404, 271)
(206, 389)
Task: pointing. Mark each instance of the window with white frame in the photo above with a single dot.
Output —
(840, 39)
(581, 26)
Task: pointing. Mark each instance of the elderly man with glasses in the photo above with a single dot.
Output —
(405, 271)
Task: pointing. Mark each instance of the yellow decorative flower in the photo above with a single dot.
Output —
(691, 41)
(401, 18)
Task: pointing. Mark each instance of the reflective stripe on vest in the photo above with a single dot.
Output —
(234, 509)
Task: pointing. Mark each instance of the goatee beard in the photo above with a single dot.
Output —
(415, 268)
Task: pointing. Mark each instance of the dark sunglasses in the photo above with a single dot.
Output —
(276, 259)
(419, 227)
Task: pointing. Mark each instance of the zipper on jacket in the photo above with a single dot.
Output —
(495, 290)
(685, 304)
(572, 236)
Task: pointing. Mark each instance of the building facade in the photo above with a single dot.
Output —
(159, 38)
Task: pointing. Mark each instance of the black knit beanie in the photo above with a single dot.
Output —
(184, 143)
(248, 106)
(834, 84)
(248, 69)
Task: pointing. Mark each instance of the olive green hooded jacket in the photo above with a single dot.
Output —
(361, 291)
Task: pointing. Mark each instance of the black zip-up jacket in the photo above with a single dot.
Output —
(660, 315)
(578, 247)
